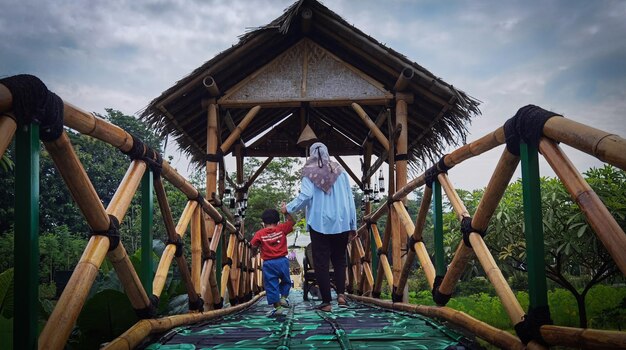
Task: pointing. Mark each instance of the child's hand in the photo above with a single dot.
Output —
(283, 208)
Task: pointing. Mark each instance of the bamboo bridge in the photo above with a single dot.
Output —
(240, 269)
(337, 78)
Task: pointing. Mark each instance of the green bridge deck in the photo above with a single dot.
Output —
(359, 326)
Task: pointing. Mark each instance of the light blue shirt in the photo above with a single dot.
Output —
(327, 213)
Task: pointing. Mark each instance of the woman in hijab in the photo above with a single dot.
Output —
(331, 219)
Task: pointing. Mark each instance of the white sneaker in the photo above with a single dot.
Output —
(277, 311)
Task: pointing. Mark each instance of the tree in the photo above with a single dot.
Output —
(575, 258)
(277, 183)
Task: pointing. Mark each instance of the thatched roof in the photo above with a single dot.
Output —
(437, 117)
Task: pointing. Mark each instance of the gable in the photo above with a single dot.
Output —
(305, 72)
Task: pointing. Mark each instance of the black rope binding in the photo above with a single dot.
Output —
(215, 157)
(150, 310)
(410, 244)
(219, 305)
(209, 256)
(179, 246)
(395, 297)
(376, 295)
(438, 297)
(526, 126)
(228, 262)
(113, 232)
(198, 305)
(402, 156)
(34, 103)
(431, 173)
(141, 151)
(466, 229)
(529, 328)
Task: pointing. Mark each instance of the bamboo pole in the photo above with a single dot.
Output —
(60, 323)
(453, 196)
(596, 213)
(495, 190)
(371, 125)
(78, 183)
(419, 247)
(384, 262)
(134, 336)
(404, 79)
(583, 338)
(212, 138)
(240, 128)
(607, 147)
(232, 241)
(508, 299)
(366, 265)
(349, 171)
(160, 276)
(196, 249)
(481, 329)
(396, 246)
(7, 130)
(258, 172)
(208, 269)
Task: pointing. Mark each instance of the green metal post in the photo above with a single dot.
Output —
(147, 210)
(440, 264)
(26, 248)
(374, 253)
(538, 293)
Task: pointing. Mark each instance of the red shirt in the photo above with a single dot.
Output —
(273, 240)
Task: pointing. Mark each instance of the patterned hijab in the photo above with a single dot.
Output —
(320, 169)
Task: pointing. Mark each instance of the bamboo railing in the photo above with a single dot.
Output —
(200, 281)
(605, 146)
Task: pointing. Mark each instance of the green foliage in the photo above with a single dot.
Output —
(6, 293)
(104, 317)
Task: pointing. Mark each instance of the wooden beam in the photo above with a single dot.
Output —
(403, 79)
(370, 124)
(258, 172)
(240, 128)
(380, 119)
(350, 172)
(211, 86)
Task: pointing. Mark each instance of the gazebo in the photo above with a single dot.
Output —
(309, 68)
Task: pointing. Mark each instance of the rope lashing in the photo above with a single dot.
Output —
(431, 173)
(395, 297)
(526, 126)
(438, 297)
(219, 305)
(209, 256)
(113, 232)
(399, 157)
(197, 305)
(410, 244)
(150, 310)
(214, 157)
(179, 245)
(530, 328)
(34, 103)
(466, 229)
(141, 151)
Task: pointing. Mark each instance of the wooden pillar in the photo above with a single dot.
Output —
(401, 177)
(212, 139)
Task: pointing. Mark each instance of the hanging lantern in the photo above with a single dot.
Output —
(232, 203)
(245, 200)
(381, 181)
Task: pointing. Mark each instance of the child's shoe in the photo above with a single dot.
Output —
(276, 311)
(284, 302)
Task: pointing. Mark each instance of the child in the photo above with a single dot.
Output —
(272, 240)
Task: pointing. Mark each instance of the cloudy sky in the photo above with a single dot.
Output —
(566, 56)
